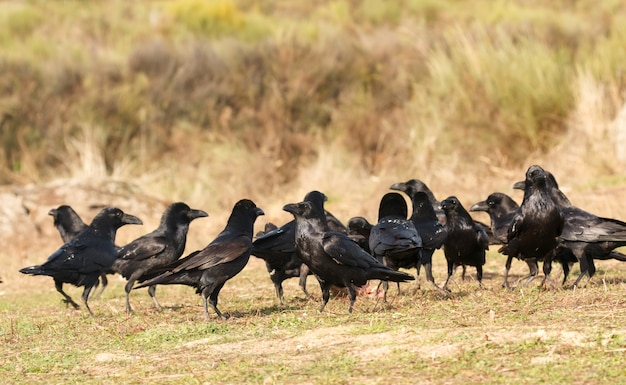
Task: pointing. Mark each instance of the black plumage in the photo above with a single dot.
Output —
(428, 223)
(536, 226)
(138, 260)
(586, 235)
(334, 223)
(359, 230)
(466, 242)
(393, 239)
(67, 222)
(333, 257)
(83, 259)
(412, 187)
(207, 270)
(502, 209)
(70, 224)
(278, 249)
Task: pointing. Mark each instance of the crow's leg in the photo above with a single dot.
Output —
(152, 293)
(105, 282)
(451, 269)
(352, 296)
(85, 297)
(68, 300)
(304, 272)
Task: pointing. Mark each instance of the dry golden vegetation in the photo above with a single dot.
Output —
(212, 101)
(138, 104)
(419, 88)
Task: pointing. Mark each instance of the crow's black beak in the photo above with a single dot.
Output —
(131, 220)
(193, 214)
(480, 206)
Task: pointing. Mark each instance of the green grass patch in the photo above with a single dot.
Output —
(489, 336)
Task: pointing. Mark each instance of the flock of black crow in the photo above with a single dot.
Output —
(543, 228)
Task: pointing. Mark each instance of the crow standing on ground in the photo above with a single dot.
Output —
(536, 226)
(334, 258)
(394, 240)
(69, 224)
(82, 260)
(466, 242)
(502, 209)
(586, 235)
(208, 269)
(139, 259)
(278, 249)
(427, 223)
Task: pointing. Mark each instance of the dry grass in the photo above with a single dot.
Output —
(490, 335)
(141, 105)
(438, 91)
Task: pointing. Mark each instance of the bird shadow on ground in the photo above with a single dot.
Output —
(265, 311)
(177, 307)
(601, 281)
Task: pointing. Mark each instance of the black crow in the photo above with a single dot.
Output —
(208, 269)
(501, 209)
(466, 242)
(67, 221)
(413, 186)
(428, 224)
(83, 259)
(359, 229)
(394, 240)
(277, 248)
(333, 257)
(417, 185)
(586, 235)
(69, 224)
(536, 226)
(138, 260)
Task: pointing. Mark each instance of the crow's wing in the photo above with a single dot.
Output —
(345, 251)
(144, 248)
(215, 253)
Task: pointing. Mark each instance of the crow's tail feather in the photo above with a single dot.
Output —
(169, 278)
(389, 275)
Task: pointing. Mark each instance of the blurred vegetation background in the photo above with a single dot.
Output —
(211, 101)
